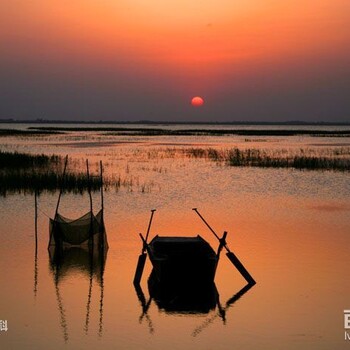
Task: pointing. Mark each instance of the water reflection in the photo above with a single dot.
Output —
(67, 263)
(184, 299)
(145, 304)
(222, 310)
(35, 288)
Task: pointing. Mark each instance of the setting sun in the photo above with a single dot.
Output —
(197, 101)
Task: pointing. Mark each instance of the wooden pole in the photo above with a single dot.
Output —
(58, 238)
(196, 210)
(89, 184)
(102, 226)
(149, 224)
(89, 190)
(101, 179)
(142, 257)
(62, 182)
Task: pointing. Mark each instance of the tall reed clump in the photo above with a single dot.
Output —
(15, 160)
(207, 153)
(259, 158)
(26, 182)
(21, 172)
(305, 159)
(26, 133)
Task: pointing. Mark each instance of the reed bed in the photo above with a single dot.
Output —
(26, 173)
(9, 160)
(30, 182)
(336, 159)
(121, 131)
(29, 132)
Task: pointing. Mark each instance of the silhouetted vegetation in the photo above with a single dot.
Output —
(17, 160)
(26, 182)
(275, 158)
(21, 172)
(26, 173)
(197, 132)
(14, 132)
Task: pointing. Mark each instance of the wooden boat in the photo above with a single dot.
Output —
(185, 260)
(182, 260)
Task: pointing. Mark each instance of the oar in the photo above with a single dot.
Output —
(232, 257)
(142, 257)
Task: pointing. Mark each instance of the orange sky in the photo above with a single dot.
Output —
(193, 45)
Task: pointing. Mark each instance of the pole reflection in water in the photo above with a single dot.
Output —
(145, 306)
(185, 299)
(35, 288)
(222, 310)
(66, 262)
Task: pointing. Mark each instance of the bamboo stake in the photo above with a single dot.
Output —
(142, 257)
(89, 190)
(101, 178)
(61, 189)
(102, 230)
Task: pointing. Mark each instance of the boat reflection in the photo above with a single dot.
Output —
(185, 299)
(182, 298)
(67, 263)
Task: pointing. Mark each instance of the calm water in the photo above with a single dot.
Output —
(290, 229)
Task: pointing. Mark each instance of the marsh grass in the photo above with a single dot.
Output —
(9, 160)
(27, 173)
(195, 132)
(14, 132)
(328, 159)
(50, 181)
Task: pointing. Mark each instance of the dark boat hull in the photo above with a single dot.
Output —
(183, 260)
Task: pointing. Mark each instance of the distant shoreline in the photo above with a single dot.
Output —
(120, 131)
(150, 122)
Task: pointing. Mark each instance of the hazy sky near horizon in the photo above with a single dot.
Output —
(250, 60)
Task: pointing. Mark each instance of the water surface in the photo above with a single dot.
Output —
(290, 228)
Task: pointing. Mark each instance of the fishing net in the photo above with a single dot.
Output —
(77, 232)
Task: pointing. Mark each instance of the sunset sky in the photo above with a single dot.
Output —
(250, 60)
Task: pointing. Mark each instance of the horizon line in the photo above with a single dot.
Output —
(173, 122)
